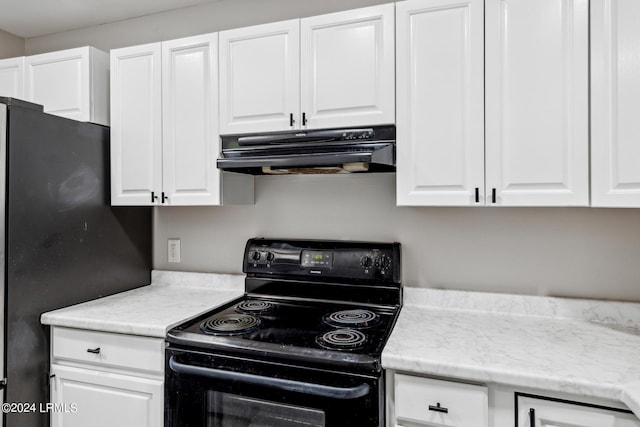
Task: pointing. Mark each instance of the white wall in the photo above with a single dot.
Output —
(581, 252)
(10, 45)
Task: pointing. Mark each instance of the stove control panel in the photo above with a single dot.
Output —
(378, 262)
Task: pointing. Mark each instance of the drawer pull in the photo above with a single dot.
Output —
(94, 350)
(439, 408)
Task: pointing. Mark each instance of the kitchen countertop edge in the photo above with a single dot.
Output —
(520, 341)
(171, 299)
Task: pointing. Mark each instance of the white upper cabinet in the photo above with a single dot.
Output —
(260, 78)
(615, 108)
(189, 119)
(12, 77)
(537, 102)
(164, 137)
(71, 83)
(347, 68)
(440, 96)
(136, 125)
(517, 135)
(326, 71)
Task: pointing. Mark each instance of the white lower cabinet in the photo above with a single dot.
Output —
(418, 401)
(543, 412)
(104, 379)
(429, 402)
(85, 397)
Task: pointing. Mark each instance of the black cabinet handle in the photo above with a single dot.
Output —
(291, 121)
(164, 198)
(304, 119)
(94, 350)
(153, 197)
(532, 417)
(477, 195)
(439, 408)
(493, 195)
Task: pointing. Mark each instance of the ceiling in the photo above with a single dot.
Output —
(33, 18)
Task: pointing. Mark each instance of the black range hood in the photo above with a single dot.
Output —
(369, 149)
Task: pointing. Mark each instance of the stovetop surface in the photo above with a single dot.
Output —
(320, 332)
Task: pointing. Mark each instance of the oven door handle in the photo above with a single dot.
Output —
(343, 393)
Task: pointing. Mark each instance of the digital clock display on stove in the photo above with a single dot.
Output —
(317, 259)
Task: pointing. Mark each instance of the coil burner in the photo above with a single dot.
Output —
(342, 339)
(230, 324)
(352, 319)
(254, 307)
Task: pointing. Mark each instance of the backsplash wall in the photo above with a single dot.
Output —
(577, 252)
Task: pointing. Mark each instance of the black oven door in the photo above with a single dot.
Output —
(204, 390)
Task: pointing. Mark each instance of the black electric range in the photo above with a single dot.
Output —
(305, 339)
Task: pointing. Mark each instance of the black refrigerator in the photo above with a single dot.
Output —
(62, 241)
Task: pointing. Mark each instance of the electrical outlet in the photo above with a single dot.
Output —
(173, 246)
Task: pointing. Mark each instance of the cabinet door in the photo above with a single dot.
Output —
(260, 78)
(62, 82)
(347, 68)
(615, 103)
(190, 121)
(537, 130)
(548, 413)
(12, 77)
(440, 96)
(136, 125)
(101, 399)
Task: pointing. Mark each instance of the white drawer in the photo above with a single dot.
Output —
(466, 405)
(108, 349)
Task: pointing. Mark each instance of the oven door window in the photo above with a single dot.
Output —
(230, 410)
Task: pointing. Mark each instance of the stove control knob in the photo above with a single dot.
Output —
(255, 256)
(366, 261)
(270, 256)
(384, 262)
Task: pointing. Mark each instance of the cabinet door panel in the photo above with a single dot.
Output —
(60, 81)
(440, 96)
(190, 131)
(347, 68)
(136, 125)
(260, 78)
(101, 399)
(615, 85)
(11, 77)
(537, 102)
(548, 413)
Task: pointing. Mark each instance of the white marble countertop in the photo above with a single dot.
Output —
(152, 310)
(581, 347)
